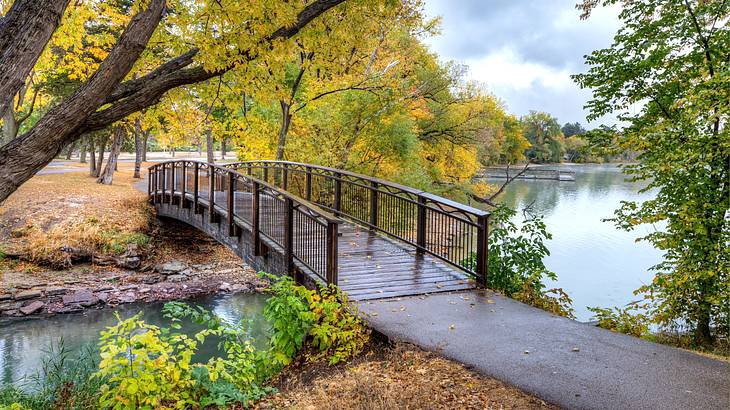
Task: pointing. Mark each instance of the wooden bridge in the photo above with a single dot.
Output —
(373, 238)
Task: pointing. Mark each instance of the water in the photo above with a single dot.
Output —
(597, 264)
(24, 344)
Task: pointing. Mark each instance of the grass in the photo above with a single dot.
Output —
(64, 382)
(52, 214)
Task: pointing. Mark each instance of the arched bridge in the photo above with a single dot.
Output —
(372, 238)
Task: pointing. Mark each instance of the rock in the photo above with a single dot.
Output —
(225, 286)
(10, 312)
(103, 288)
(151, 279)
(10, 305)
(187, 272)
(6, 296)
(79, 297)
(128, 287)
(91, 302)
(129, 262)
(27, 294)
(68, 309)
(56, 290)
(176, 278)
(32, 307)
(23, 286)
(170, 268)
(128, 297)
(103, 297)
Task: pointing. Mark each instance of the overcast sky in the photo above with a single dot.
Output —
(524, 50)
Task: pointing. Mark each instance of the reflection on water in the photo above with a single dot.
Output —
(597, 264)
(23, 343)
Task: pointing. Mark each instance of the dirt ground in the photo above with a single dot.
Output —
(394, 377)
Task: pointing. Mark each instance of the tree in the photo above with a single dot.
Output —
(675, 57)
(233, 38)
(570, 129)
(543, 132)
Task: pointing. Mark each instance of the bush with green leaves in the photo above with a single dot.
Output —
(516, 261)
(628, 320)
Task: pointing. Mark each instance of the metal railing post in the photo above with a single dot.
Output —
(289, 235)
(285, 177)
(172, 182)
(231, 191)
(338, 194)
(331, 265)
(255, 219)
(196, 174)
(482, 268)
(164, 182)
(374, 204)
(183, 182)
(308, 183)
(211, 193)
(266, 172)
(421, 225)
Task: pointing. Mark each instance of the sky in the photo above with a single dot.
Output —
(524, 51)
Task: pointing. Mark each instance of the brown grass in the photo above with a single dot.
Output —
(70, 210)
(398, 378)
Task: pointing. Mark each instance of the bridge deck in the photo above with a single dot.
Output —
(370, 265)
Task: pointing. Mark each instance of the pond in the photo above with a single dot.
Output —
(596, 264)
(24, 344)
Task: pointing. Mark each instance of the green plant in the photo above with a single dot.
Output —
(627, 320)
(144, 367)
(337, 333)
(63, 381)
(516, 266)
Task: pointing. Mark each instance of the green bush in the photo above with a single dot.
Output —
(516, 262)
(627, 320)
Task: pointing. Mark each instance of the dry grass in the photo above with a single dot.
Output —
(70, 210)
(398, 378)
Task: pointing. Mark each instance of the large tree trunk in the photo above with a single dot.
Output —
(10, 126)
(80, 113)
(61, 125)
(223, 148)
(209, 144)
(24, 32)
(138, 149)
(82, 152)
(100, 159)
(111, 165)
(92, 157)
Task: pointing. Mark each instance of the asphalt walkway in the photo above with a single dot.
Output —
(562, 361)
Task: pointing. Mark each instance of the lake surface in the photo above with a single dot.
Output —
(25, 344)
(597, 264)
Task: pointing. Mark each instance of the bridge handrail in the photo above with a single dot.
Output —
(166, 183)
(446, 229)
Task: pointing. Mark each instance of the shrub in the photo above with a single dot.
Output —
(626, 320)
(516, 262)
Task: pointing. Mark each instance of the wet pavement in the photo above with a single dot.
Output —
(568, 363)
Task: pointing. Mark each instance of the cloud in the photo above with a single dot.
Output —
(524, 50)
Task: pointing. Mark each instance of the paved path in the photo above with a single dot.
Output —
(494, 334)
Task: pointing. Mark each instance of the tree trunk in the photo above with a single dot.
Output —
(10, 126)
(283, 130)
(172, 151)
(82, 152)
(108, 175)
(24, 32)
(70, 151)
(80, 112)
(138, 150)
(209, 144)
(145, 141)
(223, 148)
(100, 159)
(92, 157)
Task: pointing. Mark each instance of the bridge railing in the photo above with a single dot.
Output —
(448, 230)
(304, 233)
